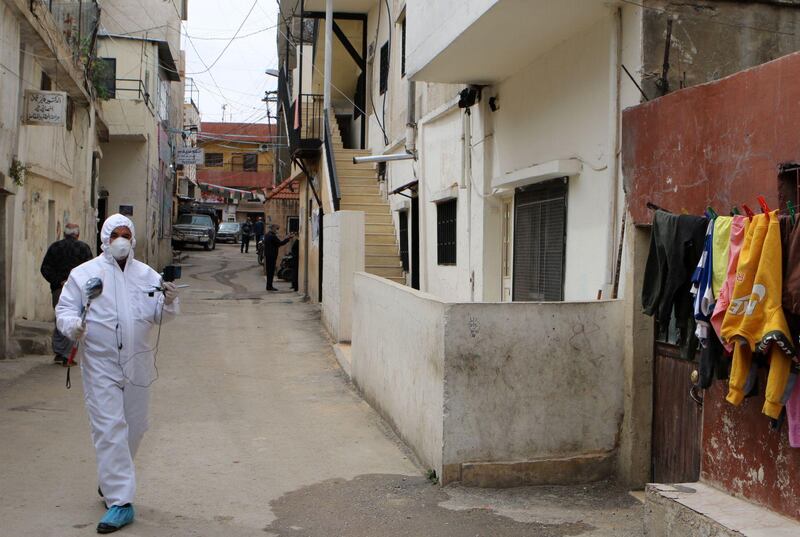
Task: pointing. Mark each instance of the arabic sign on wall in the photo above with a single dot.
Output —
(189, 155)
(45, 107)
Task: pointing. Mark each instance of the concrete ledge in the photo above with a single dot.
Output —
(344, 355)
(698, 509)
(550, 471)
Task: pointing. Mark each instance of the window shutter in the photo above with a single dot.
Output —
(540, 215)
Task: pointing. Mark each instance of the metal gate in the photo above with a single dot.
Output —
(677, 418)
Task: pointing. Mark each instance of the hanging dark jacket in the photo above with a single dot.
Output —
(676, 244)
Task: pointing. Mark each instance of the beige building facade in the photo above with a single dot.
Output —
(143, 103)
(48, 173)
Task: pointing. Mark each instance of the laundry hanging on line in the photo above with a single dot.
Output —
(733, 284)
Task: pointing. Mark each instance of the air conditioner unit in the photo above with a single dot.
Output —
(263, 148)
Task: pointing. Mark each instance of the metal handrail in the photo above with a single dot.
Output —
(333, 178)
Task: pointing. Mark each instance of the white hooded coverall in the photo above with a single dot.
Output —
(116, 356)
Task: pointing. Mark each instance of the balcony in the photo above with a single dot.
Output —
(486, 41)
(77, 20)
(304, 122)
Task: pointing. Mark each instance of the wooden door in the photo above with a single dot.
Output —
(677, 418)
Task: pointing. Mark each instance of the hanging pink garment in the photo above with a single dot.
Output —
(738, 227)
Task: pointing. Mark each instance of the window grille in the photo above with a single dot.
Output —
(403, 216)
(384, 81)
(540, 214)
(446, 224)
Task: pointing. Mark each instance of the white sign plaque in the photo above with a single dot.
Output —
(189, 155)
(45, 107)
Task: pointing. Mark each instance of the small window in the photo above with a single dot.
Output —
(293, 224)
(69, 113)
(540, 223)
(403, 215)
(384, 81)
(46, 84)
(403, 47)
(446, 223)
(213, 160)
(106, 75)
(250, 163)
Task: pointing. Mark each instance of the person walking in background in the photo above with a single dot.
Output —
(258, 229)
(62, 256)
(271, 246)
(247, 230)
(295, 263)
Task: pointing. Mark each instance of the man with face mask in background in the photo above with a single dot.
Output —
(117, 356)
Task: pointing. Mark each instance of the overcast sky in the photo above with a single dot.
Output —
(237, 78)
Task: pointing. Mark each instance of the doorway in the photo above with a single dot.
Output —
(102, 214)
(415, 242)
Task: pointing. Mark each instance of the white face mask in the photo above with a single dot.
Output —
(120, 248)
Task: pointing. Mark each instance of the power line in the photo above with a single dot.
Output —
(234, 37)
(208, 68)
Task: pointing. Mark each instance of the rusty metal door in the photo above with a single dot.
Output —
(677, 418)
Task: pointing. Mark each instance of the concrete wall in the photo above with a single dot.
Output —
(530, 392)
(703, 52)
(529, 381)
(398, 361)
(344, 256)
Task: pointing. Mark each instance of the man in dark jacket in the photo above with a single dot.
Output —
(258, 229)
(247, 230)
(295, 263)
(61, 257)
(271, 245)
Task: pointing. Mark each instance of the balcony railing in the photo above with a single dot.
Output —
(77, 20)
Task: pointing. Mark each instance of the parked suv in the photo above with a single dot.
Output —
(229, 231)
(194, 229)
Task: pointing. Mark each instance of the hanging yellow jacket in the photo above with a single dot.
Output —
(755, 320)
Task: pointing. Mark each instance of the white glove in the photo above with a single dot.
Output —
(170, 292)
(79, 332)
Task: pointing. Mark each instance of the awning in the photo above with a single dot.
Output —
(408, 186)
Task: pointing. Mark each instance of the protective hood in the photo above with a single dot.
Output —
(112, 222)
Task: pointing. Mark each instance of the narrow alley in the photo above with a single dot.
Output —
(255, 431)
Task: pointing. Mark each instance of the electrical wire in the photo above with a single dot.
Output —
(208, 68)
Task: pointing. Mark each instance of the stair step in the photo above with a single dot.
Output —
(360, 192)
(364, 199)
(386, 272)
(348, 169)
(380, 239)
(383, 261)
(374, 250)
(348, 204)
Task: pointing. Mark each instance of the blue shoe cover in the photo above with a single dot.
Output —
(116, 517)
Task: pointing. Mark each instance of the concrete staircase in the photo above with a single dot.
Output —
(360, 192)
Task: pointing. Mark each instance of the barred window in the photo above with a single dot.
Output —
(213, 160)
(446, 224)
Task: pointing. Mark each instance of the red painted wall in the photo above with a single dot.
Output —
(718, 144)
(721, 144)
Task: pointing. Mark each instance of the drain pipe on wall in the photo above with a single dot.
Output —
(615, 53)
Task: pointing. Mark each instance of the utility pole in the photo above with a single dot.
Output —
(224, 106)
(326, 100)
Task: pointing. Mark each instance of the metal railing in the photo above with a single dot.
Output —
(333, 178)
(309, 117)
(77, 20)
(131, 88)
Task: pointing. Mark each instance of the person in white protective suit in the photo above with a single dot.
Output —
(117, 356)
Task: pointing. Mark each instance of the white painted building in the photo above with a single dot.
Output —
(511, 112)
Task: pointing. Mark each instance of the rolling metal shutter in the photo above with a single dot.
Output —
(540, 214)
